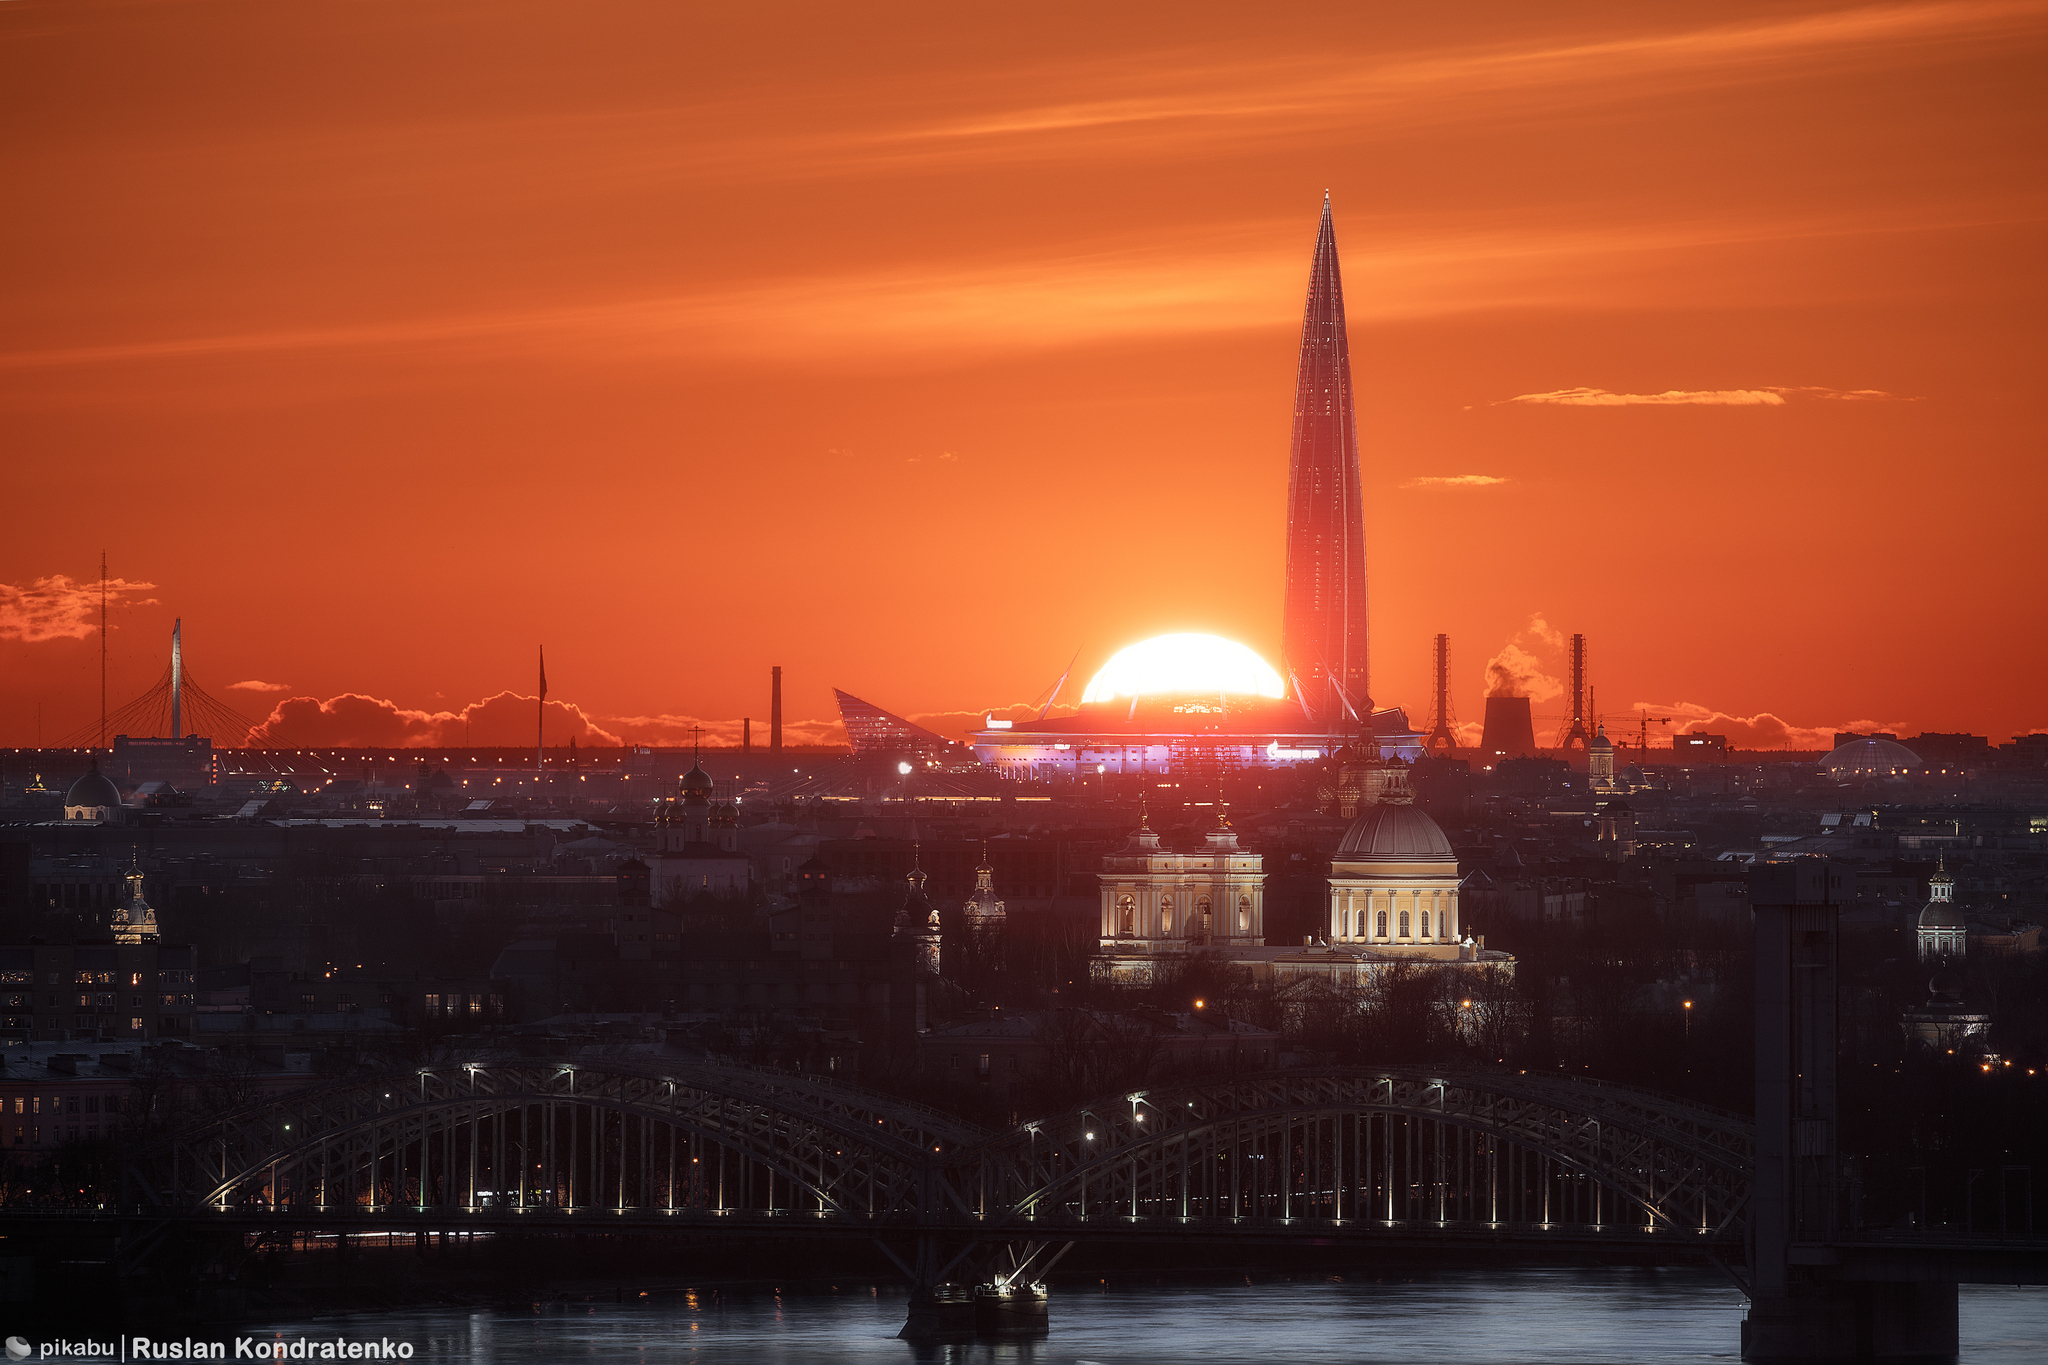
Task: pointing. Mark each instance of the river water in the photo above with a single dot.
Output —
(1480, 1317)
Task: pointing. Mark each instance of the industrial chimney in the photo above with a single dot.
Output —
(775, 711)
(1509, 730)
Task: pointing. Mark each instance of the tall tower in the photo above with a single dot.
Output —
(177, 678)
(1577, 737)
(1323, 631)
(775, 710)
(1442, 739)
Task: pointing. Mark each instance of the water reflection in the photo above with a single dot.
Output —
(1480, 1317)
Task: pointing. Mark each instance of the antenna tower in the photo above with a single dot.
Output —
(1578, 738)
(1442, 739)
(103, 649)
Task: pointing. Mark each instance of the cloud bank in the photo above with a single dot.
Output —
(352, 720)
(257, 685)
(62, 608)
(1764, 730)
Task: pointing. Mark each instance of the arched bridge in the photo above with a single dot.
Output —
(638, 1142)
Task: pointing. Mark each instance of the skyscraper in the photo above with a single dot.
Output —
(1323, 630)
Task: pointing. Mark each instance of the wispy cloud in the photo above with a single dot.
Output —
(1456, 481)
(1194, 100)
(1773, 397)
(256, 685)
(62, 608)
(1242, 277)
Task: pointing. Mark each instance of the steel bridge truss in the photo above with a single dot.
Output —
(567, 1136)
(1281, 1153)
(1393, 1148)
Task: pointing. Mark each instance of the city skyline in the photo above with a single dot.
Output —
(482, 367)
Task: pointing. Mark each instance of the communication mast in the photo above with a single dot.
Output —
(1442, 739)
(1577, 737)
(103, 649)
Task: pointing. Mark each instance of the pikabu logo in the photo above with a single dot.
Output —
(17, 1349)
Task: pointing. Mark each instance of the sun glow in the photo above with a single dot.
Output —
(1173, 664)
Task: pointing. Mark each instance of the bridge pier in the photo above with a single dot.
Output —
(1896, 1323)
(1008, 1299)
(1798, 1312)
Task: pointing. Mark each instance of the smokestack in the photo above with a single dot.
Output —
(1509, 731)
(775, 710)
(746, 734)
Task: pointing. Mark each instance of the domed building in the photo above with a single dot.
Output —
(135, 919)
(1944, 1021)
(1600, 761)
(696, 843)
(1941, 931)
(1394, 885)
(93, 797)
(1393, 896)
(1870, 757)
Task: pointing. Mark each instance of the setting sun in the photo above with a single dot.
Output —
(1187, 663)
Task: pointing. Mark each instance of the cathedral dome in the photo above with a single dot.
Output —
(93, 789)
(1861, 756)
(696, 782)
(1941, 915)
(1393, 832)
(1601, 743)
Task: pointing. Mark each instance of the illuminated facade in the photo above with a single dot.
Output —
(1393, 897)
(1394, 886)
(871, 730)
(135, 920)
(1324, 621)
(1176, 734)
(1158, 903)
(1600, 762)
(93, 798)
(1942, 932)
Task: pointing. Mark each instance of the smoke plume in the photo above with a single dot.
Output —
(1520, 670)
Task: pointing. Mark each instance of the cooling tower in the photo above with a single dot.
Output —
(1509, 732)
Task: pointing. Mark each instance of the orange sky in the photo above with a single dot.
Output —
(916, 348)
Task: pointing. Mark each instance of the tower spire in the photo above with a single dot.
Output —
(177, 677)
(1323, 632)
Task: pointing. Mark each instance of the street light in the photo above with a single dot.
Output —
(1688, 1018)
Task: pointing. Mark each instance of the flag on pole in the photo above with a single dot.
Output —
(543, 673)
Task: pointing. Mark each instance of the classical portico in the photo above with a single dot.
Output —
(1394, 886)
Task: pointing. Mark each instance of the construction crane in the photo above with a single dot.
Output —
(1643, 735)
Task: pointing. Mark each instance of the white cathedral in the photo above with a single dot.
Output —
(1393, 896)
